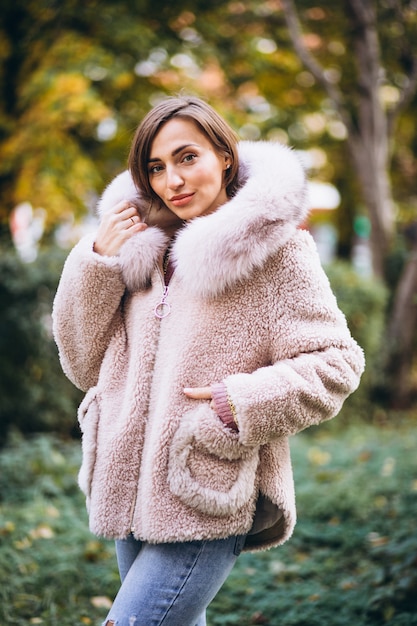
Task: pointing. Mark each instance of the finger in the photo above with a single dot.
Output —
(124, 205)
(133, 220)
(128, 219)
(119, 208)
(198, 393)
(131, 211)
(121, 214)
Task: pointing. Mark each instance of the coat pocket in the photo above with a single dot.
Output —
(209, 470)
(88, 417)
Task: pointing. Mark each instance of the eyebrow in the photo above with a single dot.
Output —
(175, 152)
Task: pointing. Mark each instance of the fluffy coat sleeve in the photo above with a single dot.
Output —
(321, 365)
(87, 312)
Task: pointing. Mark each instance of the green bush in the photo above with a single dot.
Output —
(364, 302)
(35, 395)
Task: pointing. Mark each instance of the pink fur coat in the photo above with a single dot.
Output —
(250, 306)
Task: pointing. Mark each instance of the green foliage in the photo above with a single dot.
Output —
(35, 395)
(58, 569)
(65, 68)
(352, 558)
(364, 303)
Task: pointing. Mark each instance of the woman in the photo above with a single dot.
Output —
(200, 323)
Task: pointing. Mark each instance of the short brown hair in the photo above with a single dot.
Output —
(221, 136)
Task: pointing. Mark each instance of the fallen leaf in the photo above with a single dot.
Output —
(101, 602)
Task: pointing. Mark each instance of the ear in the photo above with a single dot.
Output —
(227, 162)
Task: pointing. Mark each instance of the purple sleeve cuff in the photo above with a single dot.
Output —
(222, 405)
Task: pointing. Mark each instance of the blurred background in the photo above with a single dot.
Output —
(338, 83)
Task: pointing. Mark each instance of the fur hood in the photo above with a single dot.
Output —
(229, 244)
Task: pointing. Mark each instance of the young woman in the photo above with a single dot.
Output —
(203, 328)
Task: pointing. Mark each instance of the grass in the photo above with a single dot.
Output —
(351, 560)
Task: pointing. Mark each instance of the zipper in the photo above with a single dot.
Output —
(162, 308)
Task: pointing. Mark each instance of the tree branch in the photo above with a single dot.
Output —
(368, 54)
(295, 32)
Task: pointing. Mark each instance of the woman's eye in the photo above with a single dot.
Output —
(155, 169)
(189, 158)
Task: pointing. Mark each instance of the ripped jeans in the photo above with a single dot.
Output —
(170, 584)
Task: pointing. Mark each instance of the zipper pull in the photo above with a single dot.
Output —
(163, 308)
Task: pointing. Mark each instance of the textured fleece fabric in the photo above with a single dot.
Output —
(250, 306)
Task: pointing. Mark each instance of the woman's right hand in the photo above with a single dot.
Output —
(116, 227)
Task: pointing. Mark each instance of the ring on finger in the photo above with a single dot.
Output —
(132, 220)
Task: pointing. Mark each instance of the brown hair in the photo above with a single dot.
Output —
(221, 136)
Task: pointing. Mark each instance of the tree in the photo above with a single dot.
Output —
(370, 126)
(370, 137)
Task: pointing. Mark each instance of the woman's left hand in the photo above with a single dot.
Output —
(198, 393)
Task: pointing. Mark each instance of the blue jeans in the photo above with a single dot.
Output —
(170, 584)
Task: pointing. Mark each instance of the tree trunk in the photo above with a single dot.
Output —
(370, 157)
(368, 138)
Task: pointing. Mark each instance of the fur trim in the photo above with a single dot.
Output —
(139, 255)
(121, 188)
(229, 244)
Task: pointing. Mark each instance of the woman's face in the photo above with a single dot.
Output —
(185, 170)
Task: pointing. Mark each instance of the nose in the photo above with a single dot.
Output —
(174, 179)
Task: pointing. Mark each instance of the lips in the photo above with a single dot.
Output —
(182, 199)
